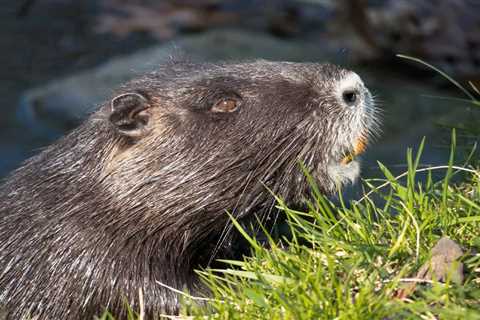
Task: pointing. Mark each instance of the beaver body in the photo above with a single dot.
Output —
(138, 194)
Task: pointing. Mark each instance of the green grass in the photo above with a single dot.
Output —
(348, 261)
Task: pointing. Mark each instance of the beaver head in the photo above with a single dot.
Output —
(218, 134)
(139, 193)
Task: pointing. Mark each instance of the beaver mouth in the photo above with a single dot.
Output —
(359, 147)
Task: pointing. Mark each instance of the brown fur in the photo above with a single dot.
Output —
(138, 194)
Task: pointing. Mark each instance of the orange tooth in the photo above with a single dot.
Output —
(360, 146)
(347, 159)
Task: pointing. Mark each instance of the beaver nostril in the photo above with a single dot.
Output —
(350, 97)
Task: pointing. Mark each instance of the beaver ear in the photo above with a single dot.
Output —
(130, 114)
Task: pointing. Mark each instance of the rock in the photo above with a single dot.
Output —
(444, 33)
(443, 265)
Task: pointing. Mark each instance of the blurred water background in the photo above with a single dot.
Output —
(61, 58)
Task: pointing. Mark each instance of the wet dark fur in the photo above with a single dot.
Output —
(100, 214)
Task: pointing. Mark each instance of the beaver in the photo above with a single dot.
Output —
(139, 193)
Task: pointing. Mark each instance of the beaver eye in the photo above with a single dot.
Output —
(226, 105)
(349, 97)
